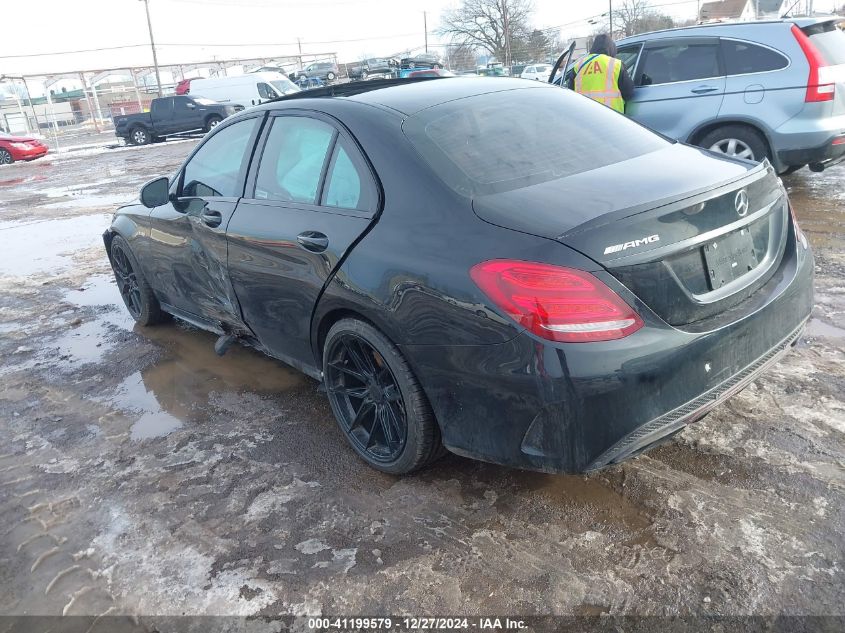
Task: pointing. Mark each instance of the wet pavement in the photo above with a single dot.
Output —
(141, 474)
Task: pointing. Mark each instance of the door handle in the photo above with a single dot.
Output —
(313, 241)
(704, 89)
(211, 218)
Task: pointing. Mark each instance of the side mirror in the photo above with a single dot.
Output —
(155, 193)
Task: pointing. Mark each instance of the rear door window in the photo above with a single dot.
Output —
(679, 61)
(742, 58)
(294, 160)
(349, 184)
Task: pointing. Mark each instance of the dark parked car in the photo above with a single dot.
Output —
(372, 66)
(169, 116)
(422, 61)
(454, 260)
(326, 71)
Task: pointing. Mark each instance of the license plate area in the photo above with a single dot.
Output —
(729, 257)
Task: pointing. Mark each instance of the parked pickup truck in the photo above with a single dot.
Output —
(168, 116)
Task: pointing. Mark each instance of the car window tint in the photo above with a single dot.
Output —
(477, 148)
(679, 62)
(215, 169)
(181, 104)
(743, 57)
(266, 92)
(293, 159)
(628, 57)
(348, 184)
(830, 41)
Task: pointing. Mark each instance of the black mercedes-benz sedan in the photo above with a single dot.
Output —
(499, 268)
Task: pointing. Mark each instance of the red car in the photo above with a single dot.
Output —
(14, 148)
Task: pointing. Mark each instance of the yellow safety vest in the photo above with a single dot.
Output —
(597, 77)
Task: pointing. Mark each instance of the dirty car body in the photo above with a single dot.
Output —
(550, 321)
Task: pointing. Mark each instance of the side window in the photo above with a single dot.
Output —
(162, 107)
(679, 62)
(292, 163)
(628, 56)
(266, 92)
(743, 57)
(215, 170)
(348, 183)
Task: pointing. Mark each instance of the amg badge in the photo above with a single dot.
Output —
(621, 247)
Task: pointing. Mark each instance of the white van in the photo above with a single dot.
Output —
(243, 91)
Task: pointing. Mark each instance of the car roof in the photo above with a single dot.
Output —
(412, 94)
(799, 21)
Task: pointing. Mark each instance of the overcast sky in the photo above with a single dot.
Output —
(198, 30)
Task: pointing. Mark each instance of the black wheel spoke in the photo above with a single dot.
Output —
(361, 414)
(387, 428)
(391, 394)
(342, 367)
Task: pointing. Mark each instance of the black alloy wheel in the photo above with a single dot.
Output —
(136, 294)
(378, 403)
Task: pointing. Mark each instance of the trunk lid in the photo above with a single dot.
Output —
(657, 223)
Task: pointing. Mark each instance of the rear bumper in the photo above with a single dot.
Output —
(532, 404)
(831, 150)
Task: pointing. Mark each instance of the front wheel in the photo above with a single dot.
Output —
(134, 290)
(330, 76)
(377, 401)
(737, 141)
(6, 157)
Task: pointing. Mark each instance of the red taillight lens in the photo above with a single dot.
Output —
(799, 235)
(820, 86)
(556, 303)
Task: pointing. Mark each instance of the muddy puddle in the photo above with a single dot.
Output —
(48, 245)
(819, 203)
(181, 385)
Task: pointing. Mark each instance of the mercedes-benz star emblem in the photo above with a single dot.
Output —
(741, 202)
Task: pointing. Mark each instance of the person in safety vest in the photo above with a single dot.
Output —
(601, 76)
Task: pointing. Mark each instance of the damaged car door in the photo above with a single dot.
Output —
(307, 200)
(187, 242)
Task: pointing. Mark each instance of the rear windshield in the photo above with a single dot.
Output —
(829, 40)
(506, 140)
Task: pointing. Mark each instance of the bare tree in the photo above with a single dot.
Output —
(489, 24)
(461, 57)
(637, 16)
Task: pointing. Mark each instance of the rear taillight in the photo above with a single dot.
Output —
(799, 235)
(820, 83)
(556, 303)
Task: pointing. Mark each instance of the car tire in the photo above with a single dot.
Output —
(140, 136)
(330, 76)
(134, 289)
(6, 157)
(212, 122)
(737, 140)
(364, 75)
(370, 384)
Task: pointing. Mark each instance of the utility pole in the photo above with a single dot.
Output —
(153, 45)
(610, 16)
(507, 29)
(425, 28)
(299, 44)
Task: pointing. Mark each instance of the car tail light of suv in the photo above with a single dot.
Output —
(556, 303)
(821, 84)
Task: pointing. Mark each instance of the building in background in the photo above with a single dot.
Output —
(739, 10)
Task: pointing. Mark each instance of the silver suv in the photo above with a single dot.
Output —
(773, 89)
